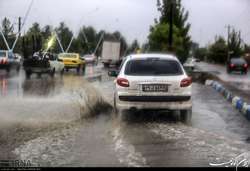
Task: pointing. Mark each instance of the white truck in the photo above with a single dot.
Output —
(110, 53)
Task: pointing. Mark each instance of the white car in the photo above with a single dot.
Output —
(56, 64)
(190, 63)
(153, 81)
(90, 59)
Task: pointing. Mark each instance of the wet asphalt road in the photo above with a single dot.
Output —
(235, 79)
(68, 121)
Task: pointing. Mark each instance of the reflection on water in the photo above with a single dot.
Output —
(18, 86)
(3, 85)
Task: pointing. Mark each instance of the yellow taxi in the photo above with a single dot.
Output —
(72, 61)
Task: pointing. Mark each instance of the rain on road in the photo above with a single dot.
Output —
(68, 121)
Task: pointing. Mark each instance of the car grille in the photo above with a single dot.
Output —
(155, 98)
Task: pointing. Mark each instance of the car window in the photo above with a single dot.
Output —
(152, 67)
(10, 55)
(68, 55)
(2, 54)
(238, 61)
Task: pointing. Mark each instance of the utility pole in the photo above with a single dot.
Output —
(228, 37)
(19, 25)
(170, 36)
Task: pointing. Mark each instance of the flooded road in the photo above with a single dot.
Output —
(68, 121)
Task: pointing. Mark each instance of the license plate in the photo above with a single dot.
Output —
(155, 88)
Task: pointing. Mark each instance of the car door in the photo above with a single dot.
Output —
(53, 63)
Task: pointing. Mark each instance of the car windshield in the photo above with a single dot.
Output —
(238, 61)
(88, 56)
(68, 55)
(2, 54)
(153, 67)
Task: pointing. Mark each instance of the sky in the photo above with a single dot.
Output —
(132, 18)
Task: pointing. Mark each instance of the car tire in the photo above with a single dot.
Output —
(106, 65)
(186, 116)
(18, 69)
(39, 75)
(123, 115)
(62, 71)
(8, 69)
(27, 74)
(52, 73)
(83, 69)
(78, 69)
(116, 111)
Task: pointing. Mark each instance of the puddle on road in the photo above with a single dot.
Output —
(29, 117)
(61, 131)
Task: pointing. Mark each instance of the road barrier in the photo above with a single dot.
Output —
(237, 102)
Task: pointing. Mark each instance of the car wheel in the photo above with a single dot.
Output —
(28, 74)
(18, 69)
(39, 75)
(123, 115)
(52, 73)
(115, 107)
(186, 116)
(78, 69)
(106, 65)
(8, 69)
(83, 69)
(62, 71)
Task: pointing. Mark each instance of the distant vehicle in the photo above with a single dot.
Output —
(110, 53)
(90, 59)
(197, 60)
(237, 64)
(9, 61)
(19, 58)
(43, 63)
(153, 81)
(190, 63)
(72, 61)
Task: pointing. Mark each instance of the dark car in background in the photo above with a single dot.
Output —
(237, 64)
(8, 61)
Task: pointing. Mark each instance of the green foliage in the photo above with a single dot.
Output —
(218, 51)
(246, 48)
(133, 47)
(7, 29)
(37, 38)
(158, 38)
(65, 35)
(200, 53)
(234, 44)
(159, 32)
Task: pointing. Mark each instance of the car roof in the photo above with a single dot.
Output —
(5, 51)
(237, 59)
(69, 54)
(152, 55)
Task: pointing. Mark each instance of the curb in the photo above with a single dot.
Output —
(236, 101)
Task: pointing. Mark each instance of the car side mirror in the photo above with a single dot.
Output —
(113, 73)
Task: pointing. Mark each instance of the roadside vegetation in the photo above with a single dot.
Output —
(223, 48)
(168, 34)
(84, 42)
